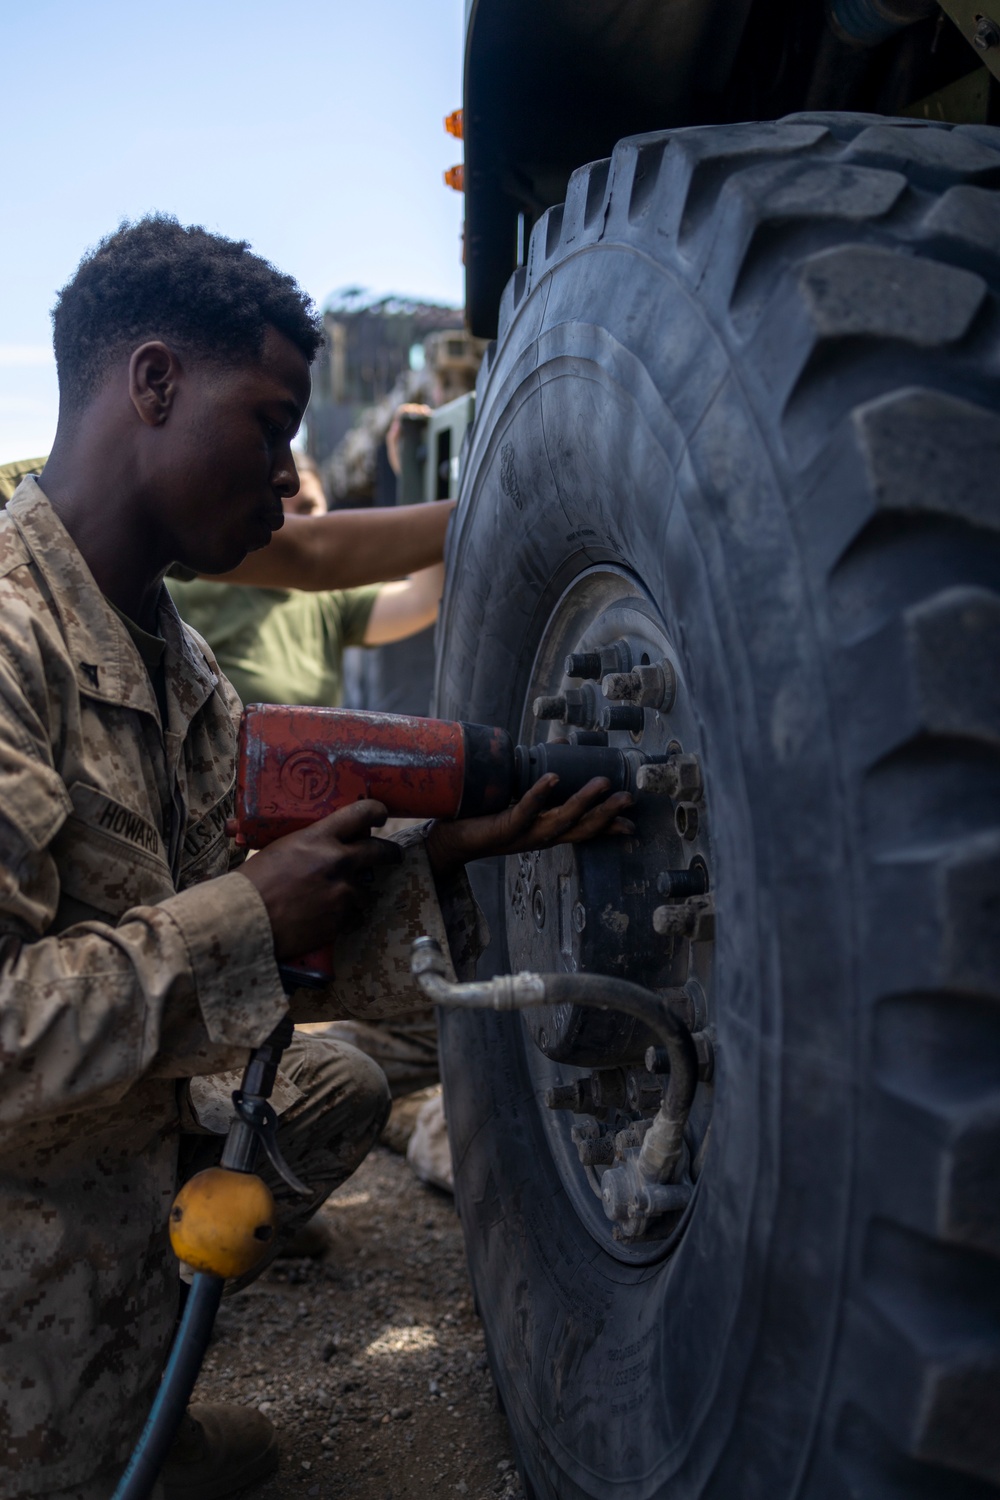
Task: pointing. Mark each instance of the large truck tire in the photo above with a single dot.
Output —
(743, 408)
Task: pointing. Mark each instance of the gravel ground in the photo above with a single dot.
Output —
(371, 1361)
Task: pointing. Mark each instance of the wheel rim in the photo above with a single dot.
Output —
(592, 908)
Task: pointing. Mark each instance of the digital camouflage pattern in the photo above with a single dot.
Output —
(122, 975)
(372, 989)
(405, 1048)
(340, 1102)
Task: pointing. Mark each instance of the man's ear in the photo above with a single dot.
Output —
(154, 372)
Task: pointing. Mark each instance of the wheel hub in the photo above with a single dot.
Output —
(638, 907)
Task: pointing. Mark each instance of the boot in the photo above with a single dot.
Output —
(310, 1242)
(219, 1451)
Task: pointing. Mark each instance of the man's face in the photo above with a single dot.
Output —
(231, 466)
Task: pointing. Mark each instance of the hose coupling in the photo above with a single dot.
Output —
(631, 1199)
(429, 967)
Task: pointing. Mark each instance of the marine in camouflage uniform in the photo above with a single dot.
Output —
(405, 1046)
(136, 965)
(126, 982)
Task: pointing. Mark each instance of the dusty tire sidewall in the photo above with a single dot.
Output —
(603, 443)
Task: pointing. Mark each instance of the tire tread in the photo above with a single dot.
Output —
(798, 234)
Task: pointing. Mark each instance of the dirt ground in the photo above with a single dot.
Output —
(371, 1361)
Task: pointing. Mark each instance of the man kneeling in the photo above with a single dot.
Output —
(137, 963)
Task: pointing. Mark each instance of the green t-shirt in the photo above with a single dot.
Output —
(11, 475)
(276, 645)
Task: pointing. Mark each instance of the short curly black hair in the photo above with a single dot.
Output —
(158, 278)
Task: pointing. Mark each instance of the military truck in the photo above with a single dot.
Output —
(730, 502)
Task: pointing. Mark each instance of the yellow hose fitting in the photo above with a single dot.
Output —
(222, 1222)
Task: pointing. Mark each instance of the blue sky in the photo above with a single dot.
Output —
(314, 130)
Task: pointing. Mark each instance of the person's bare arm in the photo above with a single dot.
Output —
(348, 548)
(403, 608)
(529, 824)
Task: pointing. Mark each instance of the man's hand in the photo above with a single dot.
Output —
(530, 825)
(309, 879)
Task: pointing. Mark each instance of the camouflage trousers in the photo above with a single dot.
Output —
(324, 1136)
(405, 1048)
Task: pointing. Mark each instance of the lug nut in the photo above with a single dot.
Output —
(672, 921)
(608, 1088)
(583, 705)
(620, 686)
(656, 780)
(644, 1091)
(649, 687)
(576, 706)
(681, 883)
(596, 1153)
(615, 658)
(621, 716)
(694, 918)
(686, 820)
(679, 776)
(704, 919)
(576, 1096)
(593, 1148)
(706, 1055)
(632, 1136)
(594, 664)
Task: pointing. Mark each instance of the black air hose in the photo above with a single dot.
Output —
(175, 1389)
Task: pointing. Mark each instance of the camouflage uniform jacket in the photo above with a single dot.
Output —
(122, 974)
